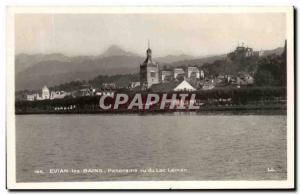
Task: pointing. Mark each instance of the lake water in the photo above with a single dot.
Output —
(150, 147)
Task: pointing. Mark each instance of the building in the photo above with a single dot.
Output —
(193, 72)
(244, 79)
(149, 71)
(179, 73)
(166, 75)
(261, 53)
(45, 93)
(173, 86)
(31, 97)
(109, 85)
(222, 80)
(242, 52)
(202, 74)
(184, 86)
(58, 94)
(87, 92)
(134, 85)
(105, 92)
(208, 84)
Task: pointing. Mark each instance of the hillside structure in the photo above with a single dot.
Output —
(243, 52)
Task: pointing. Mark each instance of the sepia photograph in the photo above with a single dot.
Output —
(150, 97)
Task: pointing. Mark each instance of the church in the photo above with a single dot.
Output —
(150, 77)
(149, 71)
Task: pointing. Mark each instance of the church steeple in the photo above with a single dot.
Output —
(149, 52)
(149, 71)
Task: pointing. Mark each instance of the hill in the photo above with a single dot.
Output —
(24, 61)
(36, 70)
(277, 51)
(197, 61)
(55, 72)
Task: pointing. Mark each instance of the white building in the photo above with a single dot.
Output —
(39, 97)
(201, 74)
(134, 84)
(31, 97)
(184, 86)
(105, 92)
(58, 94)
(193, 72)
(45, 93)
(178, 71)
(166, 75)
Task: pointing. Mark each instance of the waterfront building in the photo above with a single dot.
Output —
(149, 71)
(39, 95)
(184, 86)
(174, 85)
(31, 97)
(45, 93)
(104, 92)
(58, 94)
(86, 92)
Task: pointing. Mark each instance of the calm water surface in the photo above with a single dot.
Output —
(204, 147)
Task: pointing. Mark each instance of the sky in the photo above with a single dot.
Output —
(169, 34)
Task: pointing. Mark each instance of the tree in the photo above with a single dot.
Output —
(271, 71)
(264, 78)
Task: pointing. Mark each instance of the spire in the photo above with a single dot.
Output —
(149, 52)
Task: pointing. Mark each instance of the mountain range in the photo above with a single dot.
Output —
(36, 70)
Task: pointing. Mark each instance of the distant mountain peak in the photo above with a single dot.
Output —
(115, 50)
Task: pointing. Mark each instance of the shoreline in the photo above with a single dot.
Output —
(240, 109)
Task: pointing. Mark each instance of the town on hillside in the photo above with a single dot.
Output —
(153, 78)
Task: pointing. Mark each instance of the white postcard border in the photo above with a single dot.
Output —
(10, 98)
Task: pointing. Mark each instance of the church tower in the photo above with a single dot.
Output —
(149, 71)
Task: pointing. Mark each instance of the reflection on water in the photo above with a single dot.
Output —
(208, 147)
